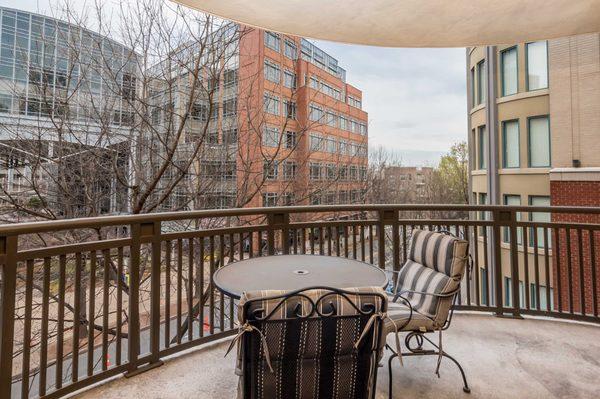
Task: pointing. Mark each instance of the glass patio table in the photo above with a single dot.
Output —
(294, 272)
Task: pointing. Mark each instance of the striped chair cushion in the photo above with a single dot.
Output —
(400, 317)
(435, 265)
(440, 252)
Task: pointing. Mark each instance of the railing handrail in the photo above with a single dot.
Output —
(105, 221)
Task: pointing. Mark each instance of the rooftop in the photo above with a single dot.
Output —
(503, 358)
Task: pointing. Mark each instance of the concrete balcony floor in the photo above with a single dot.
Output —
(503, 358)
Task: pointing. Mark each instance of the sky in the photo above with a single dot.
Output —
(416, 98)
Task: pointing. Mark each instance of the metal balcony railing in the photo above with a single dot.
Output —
(86, 299)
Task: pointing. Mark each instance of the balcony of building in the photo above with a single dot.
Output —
(134, 273)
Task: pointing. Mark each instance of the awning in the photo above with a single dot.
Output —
(413, 23)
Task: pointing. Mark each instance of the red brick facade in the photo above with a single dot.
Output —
(569, 277)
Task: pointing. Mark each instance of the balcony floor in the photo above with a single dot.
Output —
(503, 358)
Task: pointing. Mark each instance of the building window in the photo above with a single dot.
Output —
(270, 137)
(272, 72)
(290, 50)
(230, 107)
(331, 119)
(508, 292)
(344, 123)
(330, 171)
(343, 147)
(510, 144)
(270, 170)
(510, 71)
(482, 147)
(354, 102)
(543, 305)
(288, 199)
(272, 41)
(484, 286)
(537, 65)
(539, 141)
(315, 113)
(481, 83)
(316, 142)
(290, 139)
(199, 112)
(230, 136)
(269, 199)
(315, 171)
(289, 170)
(330, 145)
(513, 200)
(290, 109)
(540, 217)
(230, 78)
(289, 79)
(271, 104)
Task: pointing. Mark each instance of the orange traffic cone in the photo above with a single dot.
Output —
(206, 324)
(107, 360)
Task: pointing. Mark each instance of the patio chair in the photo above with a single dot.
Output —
(317, 342)
(426, 289)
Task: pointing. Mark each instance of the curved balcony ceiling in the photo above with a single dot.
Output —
(413, 23)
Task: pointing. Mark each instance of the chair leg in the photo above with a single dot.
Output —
(441, 352)
(462, 372)
(390, 387)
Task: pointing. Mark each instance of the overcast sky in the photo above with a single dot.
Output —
(416, 98)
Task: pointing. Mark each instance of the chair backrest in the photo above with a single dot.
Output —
(436, 264)
(310, 337)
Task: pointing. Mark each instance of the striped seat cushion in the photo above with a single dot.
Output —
(440, 252)
(398, 317)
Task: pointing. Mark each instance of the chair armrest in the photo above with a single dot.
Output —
(448, 294)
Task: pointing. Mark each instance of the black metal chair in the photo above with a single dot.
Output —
(317, 342)
(424, 296)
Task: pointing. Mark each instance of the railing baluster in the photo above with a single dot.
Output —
(167, 337)
(27, 329)
(581, 272)
(474, 242)
(371, 244)
(91, 314)
(593, 265)
(321, 242)
(229, 299)
(61, 321)
(489, 277)
(105, 309)
(190, 290)
(133, 330)
(8, 249)
(221, 296)
(525, 266)
(77, 321)
(558, 263)
(536, 265)
(179, 288)
(211, 309)
(201, 285)
(362, 243)
(119, 337)
(569, 270)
